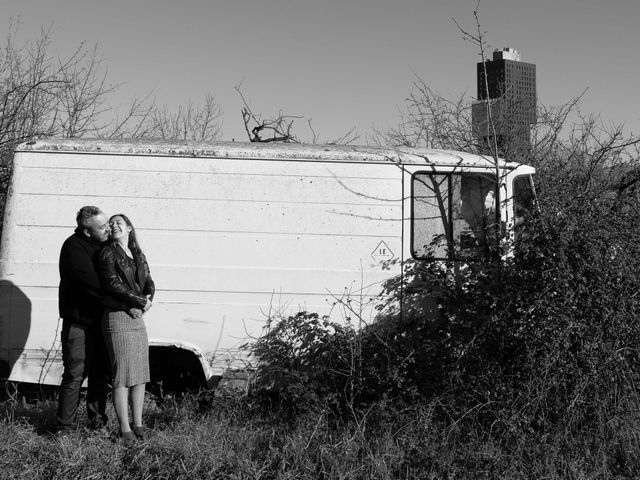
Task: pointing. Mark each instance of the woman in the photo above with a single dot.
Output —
(124, 273)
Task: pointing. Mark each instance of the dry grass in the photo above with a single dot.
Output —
(228, 439)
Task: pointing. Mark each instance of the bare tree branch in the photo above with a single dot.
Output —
(280, 127)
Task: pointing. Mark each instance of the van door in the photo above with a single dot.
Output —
(450, 214)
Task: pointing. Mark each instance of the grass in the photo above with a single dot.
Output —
(205, 436)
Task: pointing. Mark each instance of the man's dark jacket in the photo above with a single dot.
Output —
(80, 297)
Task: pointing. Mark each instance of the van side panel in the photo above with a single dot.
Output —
(28, 299)
(230, 242)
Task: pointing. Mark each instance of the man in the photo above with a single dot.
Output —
(81, 304)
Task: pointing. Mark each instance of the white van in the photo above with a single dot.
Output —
(235, 233)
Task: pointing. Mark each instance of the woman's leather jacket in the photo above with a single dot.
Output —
(121, 281)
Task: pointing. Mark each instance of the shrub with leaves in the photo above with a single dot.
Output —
(305, 362)
(541, 343)
(545, 340)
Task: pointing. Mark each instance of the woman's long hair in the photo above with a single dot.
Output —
(133, 240)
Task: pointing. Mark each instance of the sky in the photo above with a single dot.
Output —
(344, 63)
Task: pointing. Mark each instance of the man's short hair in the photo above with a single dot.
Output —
(85, 213)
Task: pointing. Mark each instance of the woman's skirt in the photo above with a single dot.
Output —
(128, 347)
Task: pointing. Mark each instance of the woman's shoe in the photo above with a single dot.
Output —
(140, 432)
(128, 438)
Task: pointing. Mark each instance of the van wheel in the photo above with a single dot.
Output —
(174, 371)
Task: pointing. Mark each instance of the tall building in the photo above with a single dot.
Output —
(510, 87)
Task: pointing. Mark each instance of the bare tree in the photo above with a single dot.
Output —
(134, 122)
(46, 95)
(30, 86)
(84, 95)
(187, 122)
(431, 121)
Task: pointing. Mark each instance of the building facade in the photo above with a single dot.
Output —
(507, 90)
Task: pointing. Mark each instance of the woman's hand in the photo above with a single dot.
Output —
(134, 312)
(148, 305)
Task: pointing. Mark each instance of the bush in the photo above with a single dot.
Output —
(541, 344)
(306, 363)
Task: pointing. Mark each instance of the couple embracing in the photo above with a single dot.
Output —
(105, 289)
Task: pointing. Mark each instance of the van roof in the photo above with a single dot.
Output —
(265, 151)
